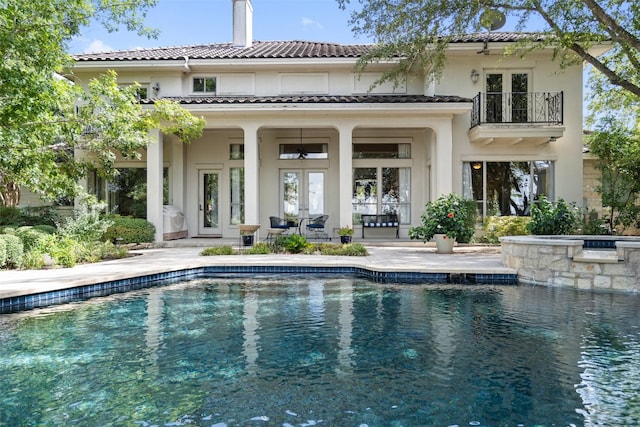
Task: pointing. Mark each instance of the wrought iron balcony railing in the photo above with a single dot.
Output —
(517, 107)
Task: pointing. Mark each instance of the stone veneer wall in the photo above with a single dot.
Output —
(563, 262)
(590, 182)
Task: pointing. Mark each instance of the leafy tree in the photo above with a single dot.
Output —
(618, 150)
(44, 117)
(419, 32)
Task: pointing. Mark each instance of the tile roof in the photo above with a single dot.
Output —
(274, 49)
(314, 99)
(498, 37)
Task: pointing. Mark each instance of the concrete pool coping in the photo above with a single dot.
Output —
(396, 258)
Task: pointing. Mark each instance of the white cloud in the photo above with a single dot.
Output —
(308, 22)
(97, 46)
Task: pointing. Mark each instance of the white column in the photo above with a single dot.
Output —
(154, 182)
(345, 170)
(177, 184)
(444, 158)
(251, 175)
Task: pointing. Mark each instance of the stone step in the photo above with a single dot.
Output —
(602, 256)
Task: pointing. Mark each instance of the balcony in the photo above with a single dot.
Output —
(517, 117)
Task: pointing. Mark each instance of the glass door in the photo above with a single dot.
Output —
(507, 97)
(302, 194)
(209, 208)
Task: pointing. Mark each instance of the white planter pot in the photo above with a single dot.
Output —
(444, 244)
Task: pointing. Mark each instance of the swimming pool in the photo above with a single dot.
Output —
(334, 351)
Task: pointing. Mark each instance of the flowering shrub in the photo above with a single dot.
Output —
(451, 215)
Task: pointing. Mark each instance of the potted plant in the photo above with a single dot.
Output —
(445, 220)
(345, 234)
(291, 219)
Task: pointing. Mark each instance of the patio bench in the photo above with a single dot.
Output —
(380, 221)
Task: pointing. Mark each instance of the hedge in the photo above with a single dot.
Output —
(130, 230)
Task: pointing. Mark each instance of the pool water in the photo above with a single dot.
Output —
(327, 352)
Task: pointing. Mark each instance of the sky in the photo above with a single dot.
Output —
(188, 22)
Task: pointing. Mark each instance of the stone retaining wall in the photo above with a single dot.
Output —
(563, 262)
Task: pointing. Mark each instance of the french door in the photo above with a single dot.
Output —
(302, 193)
(507, 97)
(208, 202)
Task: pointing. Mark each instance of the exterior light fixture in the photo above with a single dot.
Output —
(156, 88)
(474, 76)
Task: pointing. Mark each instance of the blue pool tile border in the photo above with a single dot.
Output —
(81, 293)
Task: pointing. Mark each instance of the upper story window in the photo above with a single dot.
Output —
(381, 151)
(141, 91)
(204, 85)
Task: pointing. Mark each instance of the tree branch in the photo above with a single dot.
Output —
(613, 77)
(601, 15)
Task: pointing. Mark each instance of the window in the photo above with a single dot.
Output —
(381, 190)
(141, 92)
(126, 194)
(381, 151)
(304, 151)
(236, 176)
(236, 152)
(204, 85)
(507, 188)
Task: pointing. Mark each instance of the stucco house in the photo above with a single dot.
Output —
(293, 131)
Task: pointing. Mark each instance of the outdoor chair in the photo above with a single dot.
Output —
(277, 222)
(315, 227)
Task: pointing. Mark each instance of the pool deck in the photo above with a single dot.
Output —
(396, 256)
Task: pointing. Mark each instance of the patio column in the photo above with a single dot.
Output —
(154, 183)
(345, 170)
(443, 158)
(251, 175)
(177, 174)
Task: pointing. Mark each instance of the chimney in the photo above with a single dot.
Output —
(242, 23)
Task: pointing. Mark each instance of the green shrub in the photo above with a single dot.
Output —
(3, 253)
(129, 230)
(14, 250)
(350, 249)
(87, 223)
(10, 216)
(259, 248)
(33, 260)
(592, 225)
(40, 215)
(29, 236)
(217, 250)
(49, 229)
(61, 249)
(499, 226)
(294, 243)
(549, 218)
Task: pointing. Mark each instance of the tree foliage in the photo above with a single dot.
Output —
(418, 32)
(44, 117)
(618, 150)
